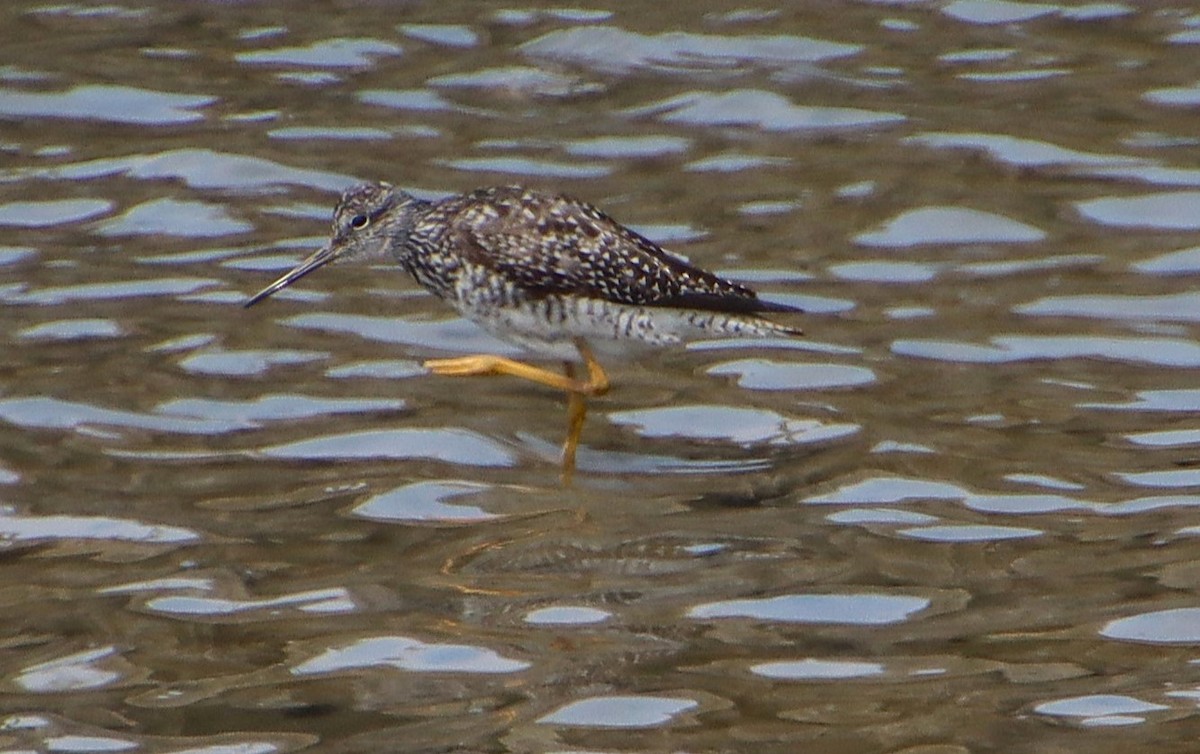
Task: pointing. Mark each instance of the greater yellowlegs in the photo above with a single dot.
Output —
(551, 274)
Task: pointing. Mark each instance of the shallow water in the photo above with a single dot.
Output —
(960, 515)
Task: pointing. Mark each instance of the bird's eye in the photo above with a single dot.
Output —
(358, 222)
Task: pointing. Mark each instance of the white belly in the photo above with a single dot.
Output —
(549, 327)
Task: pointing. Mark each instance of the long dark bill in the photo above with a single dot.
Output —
(316, 261)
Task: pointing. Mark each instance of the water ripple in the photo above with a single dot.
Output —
(195, 167)
(421, 100)
(1182, 262)
(527, 166)
(820, 670)
(1176, 96)
(968, 533)
(518, 80)
(53, 413)
(1182, 400)
(20, 527)
(448, 35)
(613, 50)
(14, 254)
(890, 490)
(456, 446)
(1176, 626)
(761, 109)
(174, 217)
(245, 363)
(105, 291)
(949, 225)
(111, 104)
(743, 426)
(81, 671)
(988, 12)
(425, 502)
(218, 609)
(1173, 352)
(1178, 307)
(1171, 210)
(843, 609)
(47, 213)
(616, 711)
(73, 330)
(885, 271)
(567, 615)
(405, 653)
(628, 147)
(1011, 150)
(328, 53)
(273, 408)
(764, 374)
(1100, 709)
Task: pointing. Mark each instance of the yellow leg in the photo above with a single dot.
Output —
(485, 364)
(577, 390)
(576, 415)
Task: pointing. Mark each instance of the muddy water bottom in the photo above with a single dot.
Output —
(959, 515)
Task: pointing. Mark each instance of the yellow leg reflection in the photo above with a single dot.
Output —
(577, 390)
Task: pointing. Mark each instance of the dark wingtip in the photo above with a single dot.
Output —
(724, 302)
(774, 307)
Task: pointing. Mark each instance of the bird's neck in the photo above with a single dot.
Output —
(416, 245)
(401, 229)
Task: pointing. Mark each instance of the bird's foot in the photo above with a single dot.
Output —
(465, 366)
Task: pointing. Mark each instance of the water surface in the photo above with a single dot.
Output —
(962, 513)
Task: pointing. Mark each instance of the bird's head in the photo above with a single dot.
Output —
(368, 220)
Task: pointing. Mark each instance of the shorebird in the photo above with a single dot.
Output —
(551, 274)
